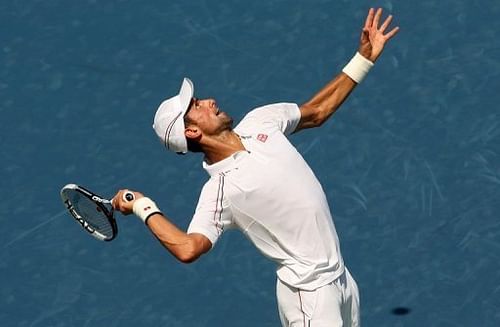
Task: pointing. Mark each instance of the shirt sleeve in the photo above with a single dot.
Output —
(285, 116)
(213, 214)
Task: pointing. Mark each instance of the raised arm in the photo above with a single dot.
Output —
(185, 247)
(324, 103)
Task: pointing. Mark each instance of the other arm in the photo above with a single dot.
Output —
(185, 247)
(323, 104)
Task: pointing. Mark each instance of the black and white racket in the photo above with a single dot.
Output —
(92, 212)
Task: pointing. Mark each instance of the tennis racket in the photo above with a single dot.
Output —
(91, 211)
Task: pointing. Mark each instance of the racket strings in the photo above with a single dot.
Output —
(93, 214)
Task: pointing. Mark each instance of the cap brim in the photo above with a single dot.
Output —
(186, 94)
(168, 122)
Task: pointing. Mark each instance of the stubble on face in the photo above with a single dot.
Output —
(226, 121)
(210, 120)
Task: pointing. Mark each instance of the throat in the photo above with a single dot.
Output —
(222, 146)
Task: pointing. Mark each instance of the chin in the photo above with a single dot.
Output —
(227, 121)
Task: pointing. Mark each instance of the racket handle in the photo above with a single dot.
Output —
(128, 196)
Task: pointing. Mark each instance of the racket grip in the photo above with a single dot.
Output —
(128, 196)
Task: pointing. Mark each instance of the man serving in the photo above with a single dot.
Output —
(262, 186)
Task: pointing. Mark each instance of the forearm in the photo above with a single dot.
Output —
(180, 244)
(185, 247)
(324, 103)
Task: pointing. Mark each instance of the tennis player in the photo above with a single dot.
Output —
(261, 185)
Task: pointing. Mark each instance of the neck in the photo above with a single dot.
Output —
(220, 147)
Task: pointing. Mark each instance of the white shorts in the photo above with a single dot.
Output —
(335, 304)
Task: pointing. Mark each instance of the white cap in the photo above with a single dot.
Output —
(169, 118)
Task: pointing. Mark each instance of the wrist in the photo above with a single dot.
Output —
(144, 208)
(358, 68)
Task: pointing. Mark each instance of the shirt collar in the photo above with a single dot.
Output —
(226, 164)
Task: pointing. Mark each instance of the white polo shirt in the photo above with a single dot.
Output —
(271, 194)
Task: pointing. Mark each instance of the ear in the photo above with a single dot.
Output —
(192, 132)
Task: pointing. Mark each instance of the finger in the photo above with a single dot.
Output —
(376, 19)
(369, 18)
(392, 33)
(386, 23)
(115, 200)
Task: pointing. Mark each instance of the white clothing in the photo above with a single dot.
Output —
(271, 194)
(333, 305)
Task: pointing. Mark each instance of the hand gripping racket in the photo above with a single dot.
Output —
(92, 212)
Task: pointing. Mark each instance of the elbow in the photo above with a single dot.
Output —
(189, 253)
(187, 258)
(313, 115)
(190, 248)
(317, 122)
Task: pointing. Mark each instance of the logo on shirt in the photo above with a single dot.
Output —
(262, 137)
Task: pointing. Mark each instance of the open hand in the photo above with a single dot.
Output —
(373, 39)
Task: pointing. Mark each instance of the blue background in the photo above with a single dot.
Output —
(410, 164)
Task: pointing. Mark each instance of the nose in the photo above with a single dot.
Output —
(208, 103)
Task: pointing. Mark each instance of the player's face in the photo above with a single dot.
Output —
(207, 116)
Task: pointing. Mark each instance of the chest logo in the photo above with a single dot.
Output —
(262, 137)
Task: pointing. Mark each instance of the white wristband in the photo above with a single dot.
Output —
(358, 67)
(145, 208)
